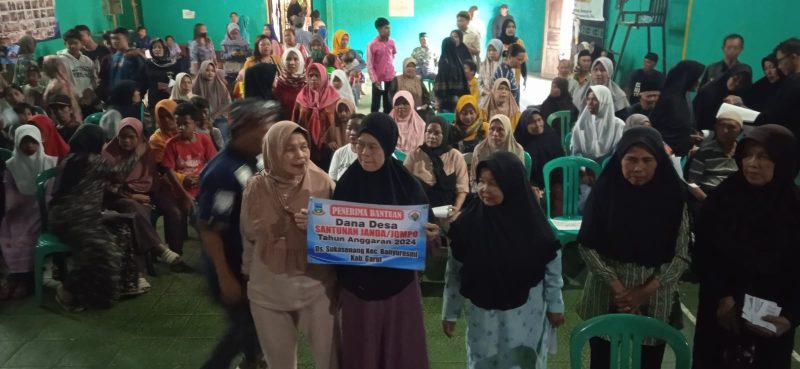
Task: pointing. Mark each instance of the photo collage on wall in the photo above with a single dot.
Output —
(37, 17)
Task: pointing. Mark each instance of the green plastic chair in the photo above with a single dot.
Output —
(47, 243)
(571, 170)
(5, 154)
(565, 117)
(626, 332)
(93, 118)
(528, 163)
(450, 117)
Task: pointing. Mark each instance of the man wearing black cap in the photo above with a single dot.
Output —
(649, 92)
(61, 111)
(425, 58)
(380, 63)
(639, 76)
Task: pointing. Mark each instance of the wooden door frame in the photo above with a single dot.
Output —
(542, 72)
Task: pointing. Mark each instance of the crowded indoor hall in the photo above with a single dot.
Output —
(399, 185)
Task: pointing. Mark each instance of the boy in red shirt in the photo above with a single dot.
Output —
(186, 155)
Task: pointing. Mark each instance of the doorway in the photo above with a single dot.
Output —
(276, 14)
(557, 35)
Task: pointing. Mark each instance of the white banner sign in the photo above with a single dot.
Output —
(401, 8)
(589, 10)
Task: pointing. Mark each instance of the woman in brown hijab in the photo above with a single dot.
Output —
(286, 293)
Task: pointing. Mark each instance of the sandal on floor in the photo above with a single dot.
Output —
(65, 305)
(142, 286)
(170, 257)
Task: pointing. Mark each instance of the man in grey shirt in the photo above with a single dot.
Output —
(497, 24)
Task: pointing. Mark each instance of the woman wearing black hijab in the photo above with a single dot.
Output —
(451, 82)
(747, 237)
(634, 238)
(160, 69)
(736, 81)
(540, 140)
(259, 80)
(672, 115)
(382, 323)
(506, 261)
(764, 91)
(559, 100)
(509, 36)
(463, 52)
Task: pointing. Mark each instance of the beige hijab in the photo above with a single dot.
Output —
(486, 148)
(274, 196)
(412, 85)
(493, 105)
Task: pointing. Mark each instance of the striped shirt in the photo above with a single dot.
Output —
(598, 299)
(504, 71)
(710, 165)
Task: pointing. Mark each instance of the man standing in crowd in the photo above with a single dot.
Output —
(380, 63)
(81, 67)
(784, 110)
(582, 73)
(471, 39)
(124, 64)
(648, 73)
(476, 24)
(732, 46)
(649, 92)
(219, 206)
(497, 24)
(425, 58)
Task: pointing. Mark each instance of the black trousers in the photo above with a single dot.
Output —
(652, 356)
(377, 96)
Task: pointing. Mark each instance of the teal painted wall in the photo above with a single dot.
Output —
(164, 17)
(763, 27)
(71, 13)
(437, 18)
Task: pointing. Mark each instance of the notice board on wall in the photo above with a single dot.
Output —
(401, 8)
(37, 17)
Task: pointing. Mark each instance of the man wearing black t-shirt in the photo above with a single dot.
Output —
(646, 73)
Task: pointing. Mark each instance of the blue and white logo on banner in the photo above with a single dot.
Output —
(348, 233)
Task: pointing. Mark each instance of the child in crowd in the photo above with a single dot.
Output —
(24, 113)
(33, 89)
(13, 96)
(330, 63)
(204, 125)
(346, 155)
(354, 67)
(142, 39)
(61, 112)
(470, 71)
(186, 154)
(21, 223)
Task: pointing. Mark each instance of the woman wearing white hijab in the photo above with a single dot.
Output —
(601, 73)
(344, 90)
(21, 223)
(597, 130)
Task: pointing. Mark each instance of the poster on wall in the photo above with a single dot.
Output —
(591, 10)
(401, 8)
(37, 17)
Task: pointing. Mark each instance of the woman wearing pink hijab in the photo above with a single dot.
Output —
(409, 123)
(315, 110)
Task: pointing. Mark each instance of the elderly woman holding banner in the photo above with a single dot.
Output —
(382, 325)
(286, 293)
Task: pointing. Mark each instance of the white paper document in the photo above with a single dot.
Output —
(755, 309)
(566, 224)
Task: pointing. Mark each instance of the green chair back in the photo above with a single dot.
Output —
(571, 170)
(626, 332)
(93, 118)
(38, 110)
(41, 182)
(528, 163)
(5, 154)
(565, 117)
(450, 117)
